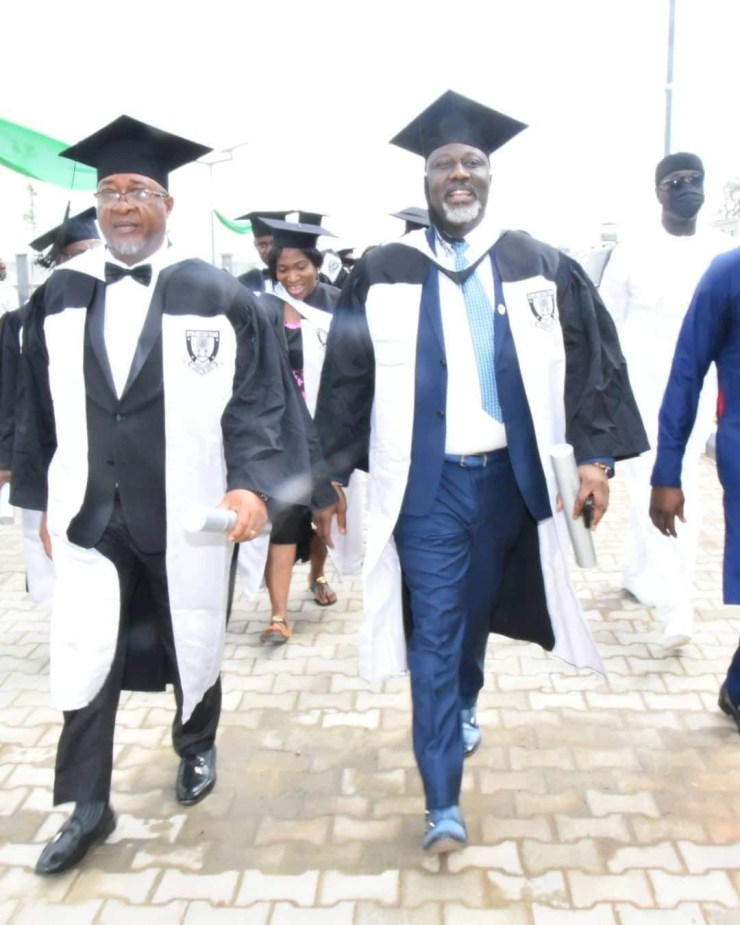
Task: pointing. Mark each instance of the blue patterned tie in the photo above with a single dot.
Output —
(480, 319)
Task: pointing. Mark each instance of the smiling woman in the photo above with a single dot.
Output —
(301, 309)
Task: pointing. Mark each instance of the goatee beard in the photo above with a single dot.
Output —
(126, 248)
(462, 215)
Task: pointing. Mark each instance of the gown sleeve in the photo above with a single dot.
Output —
(266, 441)
(10, 355)
(602, 419)
(34, 440)
(347, 386)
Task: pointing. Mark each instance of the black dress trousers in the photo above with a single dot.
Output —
(84, 759)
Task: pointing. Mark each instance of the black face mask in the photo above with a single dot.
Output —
(685, 200)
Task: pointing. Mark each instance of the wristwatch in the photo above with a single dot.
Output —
(608, 471)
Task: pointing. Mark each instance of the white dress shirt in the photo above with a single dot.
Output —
(126, 306)
(469, 428)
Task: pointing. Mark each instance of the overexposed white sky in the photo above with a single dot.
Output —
(311, 92)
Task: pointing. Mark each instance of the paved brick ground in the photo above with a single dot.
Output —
(591, 802)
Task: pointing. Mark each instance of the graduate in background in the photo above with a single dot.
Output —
(300, 308)
(258, 279)
(413, 217)
(76, 234)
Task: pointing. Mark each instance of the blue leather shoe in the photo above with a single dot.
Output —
(727, 706)
(445, 831)
(470, 732)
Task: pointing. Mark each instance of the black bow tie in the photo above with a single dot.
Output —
(142, 274)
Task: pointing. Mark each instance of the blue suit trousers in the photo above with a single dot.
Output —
(452, 561)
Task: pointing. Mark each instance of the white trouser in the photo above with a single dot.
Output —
(659, 570)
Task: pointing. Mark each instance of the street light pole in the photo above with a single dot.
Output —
(210, 160)
(669, 76)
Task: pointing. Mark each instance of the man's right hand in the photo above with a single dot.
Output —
(666, 504)
(323, 517)
(4, 477)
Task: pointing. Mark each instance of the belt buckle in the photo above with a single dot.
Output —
(485, 459)
(463, 464)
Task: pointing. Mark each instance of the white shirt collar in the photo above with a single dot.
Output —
(480, 240)
(92, 262)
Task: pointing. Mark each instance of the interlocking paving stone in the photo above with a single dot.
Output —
(591, 802)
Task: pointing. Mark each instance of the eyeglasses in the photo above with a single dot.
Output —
(134, 197)
(688, 179)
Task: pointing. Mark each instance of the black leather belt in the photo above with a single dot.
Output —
(474, 460)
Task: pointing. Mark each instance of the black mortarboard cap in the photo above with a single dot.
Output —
(295, 234)
(310, 218)
(414, 216)
(80, 227)
(129, 146)
(453, 118)
(259, 228)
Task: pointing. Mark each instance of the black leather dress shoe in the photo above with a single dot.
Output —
(72, 842)
(196, 777)
(727, 706)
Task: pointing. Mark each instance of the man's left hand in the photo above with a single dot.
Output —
(251, 514)
(594, 484)
(666, 504)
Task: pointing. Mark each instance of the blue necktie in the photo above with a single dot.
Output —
(480, 319)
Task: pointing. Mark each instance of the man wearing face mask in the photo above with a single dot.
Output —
(647, 287)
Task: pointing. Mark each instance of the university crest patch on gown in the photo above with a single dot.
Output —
(542, 306)
(202, 348)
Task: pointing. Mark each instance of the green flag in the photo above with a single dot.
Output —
(37, 156)
(238, 227)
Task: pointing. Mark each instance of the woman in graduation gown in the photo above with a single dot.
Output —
(301, 308)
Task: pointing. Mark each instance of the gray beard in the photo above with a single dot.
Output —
(462, 215)
(127, 248)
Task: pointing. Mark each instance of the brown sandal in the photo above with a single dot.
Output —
(322, 592)
(277, 632)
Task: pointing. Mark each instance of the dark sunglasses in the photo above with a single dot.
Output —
(689, 179)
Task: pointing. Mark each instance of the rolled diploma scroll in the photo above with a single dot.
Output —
(7, 513)
(569, 484)
(201, 519)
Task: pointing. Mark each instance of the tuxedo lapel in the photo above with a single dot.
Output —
(96, 334)
(149, 333)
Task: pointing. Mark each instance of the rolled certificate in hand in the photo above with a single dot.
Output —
(569, 484)
(7, 513)
(202, 519)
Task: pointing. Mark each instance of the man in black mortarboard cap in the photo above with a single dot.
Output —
(76, 234)
(145, 398)
(457, 357)
(647, 287)
(258, 279)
